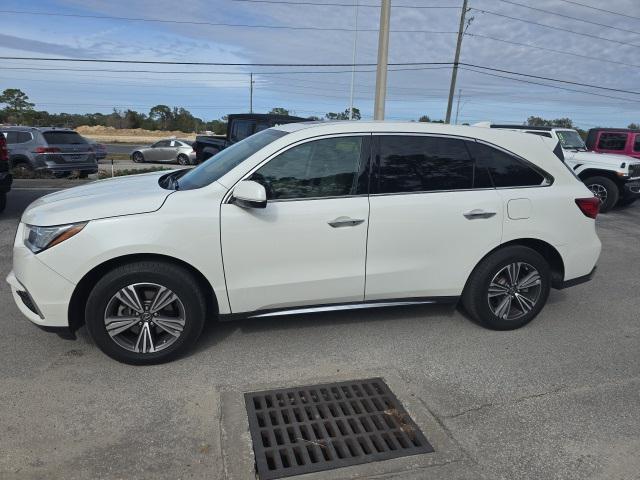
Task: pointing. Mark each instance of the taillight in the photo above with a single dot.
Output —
(589, 206)
(4, 153)
(47, 150)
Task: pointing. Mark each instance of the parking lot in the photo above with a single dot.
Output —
(559, 398)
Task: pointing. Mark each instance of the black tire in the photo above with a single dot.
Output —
(3, 201)
(478, 304)
(183, 159)
(22, 166)
(606, 190)
(137, 157)
(172, 277)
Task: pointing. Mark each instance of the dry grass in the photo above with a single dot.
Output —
(129, 135)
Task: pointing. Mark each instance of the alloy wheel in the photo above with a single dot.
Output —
(514, 291)
(144, 318)
(599, 191)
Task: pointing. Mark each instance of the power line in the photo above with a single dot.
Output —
(411, 66)
(547, 85)
(599, 9)
(569, 82)
(482, 10)
(549, 12)
(553, 50)
(217, 64)
(210, 24)
(323, 4)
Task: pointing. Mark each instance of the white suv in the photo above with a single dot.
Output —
(614, 179)
(308, 217)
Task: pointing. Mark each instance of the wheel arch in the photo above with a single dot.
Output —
(548, 252)
(81, 293)
(595, 172)
(18, 158)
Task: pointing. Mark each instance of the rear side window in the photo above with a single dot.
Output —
(63, 138)
(423, 164)
(242, 129)
(505, 169)
(14, 137)
(612, 141)
(636, 144)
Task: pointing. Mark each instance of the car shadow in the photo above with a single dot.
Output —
(216, 331)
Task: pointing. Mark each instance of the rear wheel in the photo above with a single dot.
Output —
(145, 312)
(606, 190)
(21, 168)
(138, 157)
(508, 288)
(183, 159)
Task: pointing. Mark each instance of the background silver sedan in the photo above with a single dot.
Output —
(169, 150)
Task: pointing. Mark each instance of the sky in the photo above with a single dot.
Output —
(593, 47)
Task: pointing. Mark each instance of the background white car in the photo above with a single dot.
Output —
(308, 217)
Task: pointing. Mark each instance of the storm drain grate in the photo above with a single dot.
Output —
(322, 427)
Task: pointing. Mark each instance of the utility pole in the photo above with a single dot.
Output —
(458, 106)
(251, 92)
(383, 59)
(353, 70)
(454, 73)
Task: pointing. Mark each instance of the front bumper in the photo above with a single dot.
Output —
(632, 189)
(5, 182)
(41, 294)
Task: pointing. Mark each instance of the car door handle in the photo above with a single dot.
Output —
(478, 213)
(345, 222)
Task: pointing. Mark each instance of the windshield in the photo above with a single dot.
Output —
(570, 140)
(229, 158)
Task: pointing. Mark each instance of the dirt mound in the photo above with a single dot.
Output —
(129, 135)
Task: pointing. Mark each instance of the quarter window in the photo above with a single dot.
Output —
(505, 170)
(320, 168)
(424, 164)
(612, 141)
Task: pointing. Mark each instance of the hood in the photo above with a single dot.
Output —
(114, 197)
(609, 160)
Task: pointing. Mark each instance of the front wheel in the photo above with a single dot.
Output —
(508, 288)
(145, 312)
(138, 157)
(606, 190)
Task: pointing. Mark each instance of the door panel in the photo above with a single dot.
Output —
(423, 245)
(288, 255)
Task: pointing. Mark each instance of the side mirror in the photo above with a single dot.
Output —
(249, 194)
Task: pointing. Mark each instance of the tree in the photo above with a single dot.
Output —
(344, 115)
(279, 111)
(633, 126)
(541, 122)
(17, 103)
(424, 118)
(162, 114)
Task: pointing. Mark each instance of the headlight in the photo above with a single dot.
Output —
(37, 239)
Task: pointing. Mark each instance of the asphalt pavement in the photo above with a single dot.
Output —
(557, 399)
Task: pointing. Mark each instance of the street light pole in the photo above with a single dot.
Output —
(353, 71)
(383, 59)
(454, 73)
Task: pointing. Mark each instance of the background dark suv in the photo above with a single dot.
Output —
(59, 151)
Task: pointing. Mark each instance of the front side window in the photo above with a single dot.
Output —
(422, 164)
(319, 168)
(505, 169)
(229, 158)
(612, 141)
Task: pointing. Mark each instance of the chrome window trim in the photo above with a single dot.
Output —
(227, 197)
